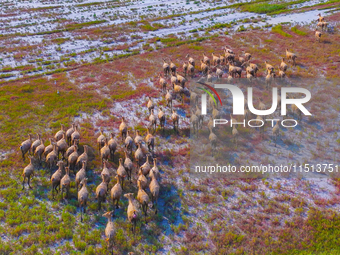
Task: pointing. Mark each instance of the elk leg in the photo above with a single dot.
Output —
(23, 183)
(29, 178)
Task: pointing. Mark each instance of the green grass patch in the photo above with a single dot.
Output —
(219, 26)
(195, 47)
(148, 27)
(328, 2)
(263, 7)
(60, 40)
(297, 31)
(44, 8)
(167, 40)
(278, 29)
(70, 27)
(241, 29)
(95, 3)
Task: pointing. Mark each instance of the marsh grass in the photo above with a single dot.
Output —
(263, 7)
(297, 31)
(278, 29)
(151, 27)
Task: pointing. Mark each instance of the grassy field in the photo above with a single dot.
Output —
(196, 215)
